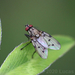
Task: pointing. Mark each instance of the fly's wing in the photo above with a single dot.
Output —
(41, 50)
(52, 43)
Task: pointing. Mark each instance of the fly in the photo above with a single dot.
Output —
(41, 41)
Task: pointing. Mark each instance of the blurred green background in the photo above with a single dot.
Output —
(0, 33)
(51, 16)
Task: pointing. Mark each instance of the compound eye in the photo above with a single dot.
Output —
(30, 25)
(26, 28)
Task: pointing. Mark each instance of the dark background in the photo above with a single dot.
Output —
(51, 16)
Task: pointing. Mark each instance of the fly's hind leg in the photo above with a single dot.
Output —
(33, 53)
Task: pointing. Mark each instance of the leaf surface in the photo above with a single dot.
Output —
(20, 62)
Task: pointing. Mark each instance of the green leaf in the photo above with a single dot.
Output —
(20, 62)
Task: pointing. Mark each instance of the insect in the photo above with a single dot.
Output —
(41, 41)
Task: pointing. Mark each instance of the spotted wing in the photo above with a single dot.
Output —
(40, 49)
(52, 43)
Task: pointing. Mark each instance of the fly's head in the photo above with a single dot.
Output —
(28, 27)
(32, 31)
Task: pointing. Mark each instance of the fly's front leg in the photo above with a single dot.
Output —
(28, 36)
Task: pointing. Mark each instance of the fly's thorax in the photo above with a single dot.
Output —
(34, 32)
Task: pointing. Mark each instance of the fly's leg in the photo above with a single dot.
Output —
(25, 45)
(33, 53)
(28, 39)
(27, 36)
